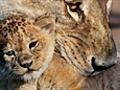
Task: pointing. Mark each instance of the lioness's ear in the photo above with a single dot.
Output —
(46, 23)
(109, 6)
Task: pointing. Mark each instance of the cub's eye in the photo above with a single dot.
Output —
(32, 44)
(10, 53)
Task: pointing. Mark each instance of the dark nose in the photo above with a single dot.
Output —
(25, 65)
(99, 68)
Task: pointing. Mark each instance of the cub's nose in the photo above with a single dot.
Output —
(99, 68)
(26, 64)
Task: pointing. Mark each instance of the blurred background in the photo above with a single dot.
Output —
(115, 23)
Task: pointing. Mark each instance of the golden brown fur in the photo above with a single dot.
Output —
(25, 49)
(80, 30)
(84, 45)
(61, 76)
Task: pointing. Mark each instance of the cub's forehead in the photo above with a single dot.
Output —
(15, 26)
(14, 23)
(15, 30)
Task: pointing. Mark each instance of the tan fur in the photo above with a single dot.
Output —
(25, 49)
(83, 42)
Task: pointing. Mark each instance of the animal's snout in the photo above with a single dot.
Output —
(100, 67)
(25, 65)
(25, 61)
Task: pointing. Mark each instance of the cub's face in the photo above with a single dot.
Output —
(25, 50)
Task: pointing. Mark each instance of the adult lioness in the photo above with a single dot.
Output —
(84, 38)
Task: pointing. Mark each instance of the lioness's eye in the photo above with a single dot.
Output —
(75, 10)
(32, 44)
(74, 7)
(10, 53)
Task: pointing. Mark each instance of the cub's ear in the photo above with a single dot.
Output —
(46, 23)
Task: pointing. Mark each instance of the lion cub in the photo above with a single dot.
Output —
(26, 48)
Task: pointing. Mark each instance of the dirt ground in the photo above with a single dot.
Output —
(115, 22)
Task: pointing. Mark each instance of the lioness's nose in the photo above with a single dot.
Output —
(100, 67)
